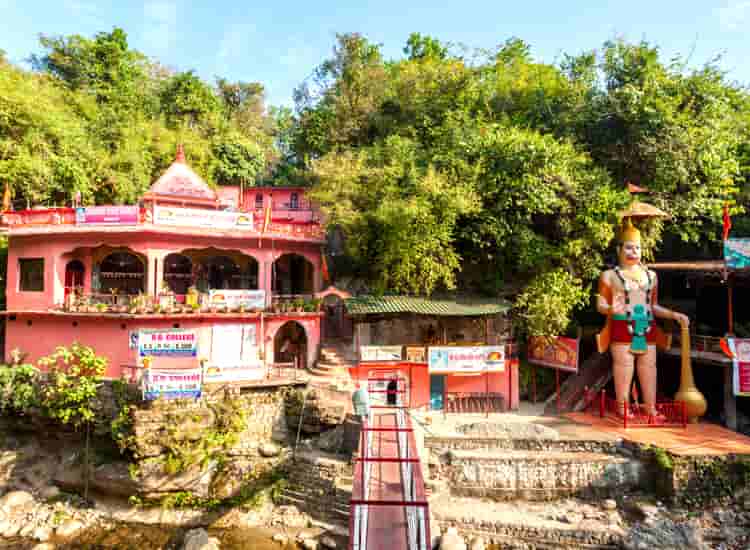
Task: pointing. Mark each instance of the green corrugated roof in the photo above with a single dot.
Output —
(467, 307)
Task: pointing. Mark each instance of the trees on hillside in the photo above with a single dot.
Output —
(530, 159)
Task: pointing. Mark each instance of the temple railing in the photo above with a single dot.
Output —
(698, 342)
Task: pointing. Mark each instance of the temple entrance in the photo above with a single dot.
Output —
(229, 271)
(290, 344)
(74, 273)
(121, 273)
(292, 274)
(336, 325)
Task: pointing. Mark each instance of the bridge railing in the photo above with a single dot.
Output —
(413, 498)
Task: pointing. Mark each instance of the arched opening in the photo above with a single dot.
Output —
(293, 274)
(178, 273)
(74, 274)
(290, 344)
(333, 306)
(120, 272)
(220, 272)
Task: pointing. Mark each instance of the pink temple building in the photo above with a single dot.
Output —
(178, 260)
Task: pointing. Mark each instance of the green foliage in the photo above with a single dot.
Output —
(121, 427)
(546, 304)
(69, 394)
(18, 388)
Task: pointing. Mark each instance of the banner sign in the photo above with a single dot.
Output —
(455, 359)
(740, 349)
(194, 217)
(380, 353)
(557, 353)
(250, 299)
(234, 354)
(168, 342)
(171, 383)
(107, 215)
(737, 253)
(237, 373)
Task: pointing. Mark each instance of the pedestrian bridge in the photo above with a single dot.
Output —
(388, 509)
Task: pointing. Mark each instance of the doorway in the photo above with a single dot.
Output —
(290, 344)
(74, 273)
(437, 392)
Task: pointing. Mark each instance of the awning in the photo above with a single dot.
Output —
(456, 307)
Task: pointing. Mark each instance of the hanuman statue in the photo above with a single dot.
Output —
(628, 297)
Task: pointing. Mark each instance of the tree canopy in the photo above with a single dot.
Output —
(484, 170)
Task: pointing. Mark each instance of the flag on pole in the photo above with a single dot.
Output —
(324, 268)
(727, 222)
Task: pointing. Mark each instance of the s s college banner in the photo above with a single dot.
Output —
(456, 359)
(194, 217)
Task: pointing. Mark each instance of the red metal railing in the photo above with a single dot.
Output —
(474, 402)
(669, 414)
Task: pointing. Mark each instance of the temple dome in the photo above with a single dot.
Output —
(180, 184)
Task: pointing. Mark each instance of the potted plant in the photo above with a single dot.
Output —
(299, 304)
(101, 307)
(241, 308)
(194, 308)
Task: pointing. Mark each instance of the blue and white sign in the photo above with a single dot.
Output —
(171, 383)
(168, 343)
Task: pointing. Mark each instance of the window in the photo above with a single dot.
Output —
(294, 201)
(32, 274)
(258, 201)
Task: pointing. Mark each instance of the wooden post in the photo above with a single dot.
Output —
(730, 401)
(357, 340)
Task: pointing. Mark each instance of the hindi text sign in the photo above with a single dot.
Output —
(168, 342)
(558, 353)
(457, 359)
(171, 383)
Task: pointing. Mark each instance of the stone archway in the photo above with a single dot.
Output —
(290, 344)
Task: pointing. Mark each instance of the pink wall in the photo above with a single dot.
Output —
(281, 206)
(109, 336)
(57, 250)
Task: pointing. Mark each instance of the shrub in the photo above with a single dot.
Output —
(18, 388)
(69, 392)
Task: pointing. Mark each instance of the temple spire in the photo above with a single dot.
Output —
(180, 157)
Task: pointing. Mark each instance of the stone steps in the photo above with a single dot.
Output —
(338, 510)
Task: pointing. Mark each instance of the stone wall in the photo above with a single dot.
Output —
(442, 444)
(515, 536)
(510, 475)
(319, 485)
(192, 420)
(700, 480)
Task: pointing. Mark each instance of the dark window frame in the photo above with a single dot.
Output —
(25, 283)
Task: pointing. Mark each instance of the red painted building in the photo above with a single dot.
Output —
(98, 275)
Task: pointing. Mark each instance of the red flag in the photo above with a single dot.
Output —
(324, 268)
(727, 222)
(6, 198)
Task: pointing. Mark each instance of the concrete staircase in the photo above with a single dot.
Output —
(333, 366)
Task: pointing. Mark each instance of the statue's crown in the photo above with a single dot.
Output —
(629, 232)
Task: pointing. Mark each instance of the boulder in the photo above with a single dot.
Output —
(327, 542)
(281, 539)
(609, 504)
(49, 492)
(663, 534)
(269, 450)
(42, 534)
(477, 543)
(310, 544)
(44, 546)
(15, 499)
(9, 529)
(154, 482)
(451, 540)
(69, 528)
(198, 539)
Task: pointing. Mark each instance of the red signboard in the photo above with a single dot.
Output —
(740, 351)
(558, 353)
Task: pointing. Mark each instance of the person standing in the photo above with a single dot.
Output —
(361, 402)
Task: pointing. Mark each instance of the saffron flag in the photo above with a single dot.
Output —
(727, 222)
(267, 215)
(324, 267)
(6, 198)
